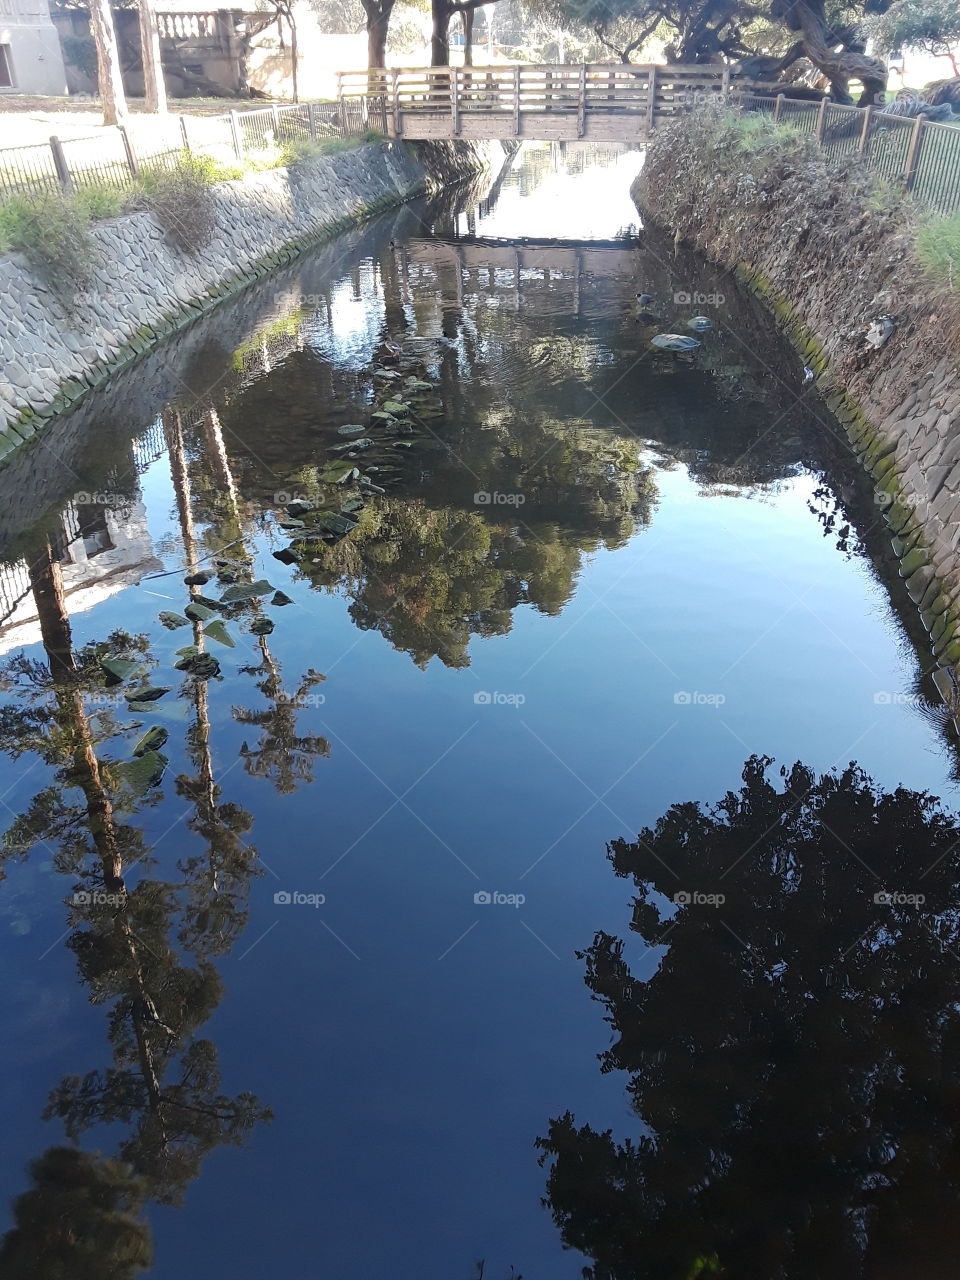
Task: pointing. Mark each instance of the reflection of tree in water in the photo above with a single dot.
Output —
(163, 1080)
(794, 1059)
(429, 577)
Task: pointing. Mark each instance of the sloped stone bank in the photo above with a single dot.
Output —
(55, 346)
(828, 254)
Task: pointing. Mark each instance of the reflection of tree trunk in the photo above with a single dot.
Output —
(46, 582)
(173, 433)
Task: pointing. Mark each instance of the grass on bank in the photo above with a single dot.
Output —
(55, 230)
(764, 153)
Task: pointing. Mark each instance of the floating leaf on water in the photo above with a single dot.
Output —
(197, 579)
(246, 591)
(117, 668)
(700, 324)
(143, 773)
(292, 524)
(674, 342)
(285, 556)
(188, 651)
(227, 576)
(299, 507)
(386, 373)
(419, 382)
(383, 415)
(173, 620)
(402, 444)
(280, 597)
(218, 631)
(261, 626)
(149, 693)
(152, 740)
(351, 429)
(201, 665)
(199, 612)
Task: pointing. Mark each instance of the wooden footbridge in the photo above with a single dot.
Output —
(603, 102)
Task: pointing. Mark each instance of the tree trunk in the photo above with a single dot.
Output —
(839, 66)
(154, 89)
(46, 582)
(377, 24)
(468, 17)
(109, 80)
(440, 43)
(294, 56)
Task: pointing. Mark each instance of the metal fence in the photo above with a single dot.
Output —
(921, 156)
(114, 157)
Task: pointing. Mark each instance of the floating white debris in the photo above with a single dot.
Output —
(674, 342)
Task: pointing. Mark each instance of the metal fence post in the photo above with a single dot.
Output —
(183, 133)
(913, 153)
(865, 131)
(132, 164)
(822, 119)
(235, 133)
(60, 165)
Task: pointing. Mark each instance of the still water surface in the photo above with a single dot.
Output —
(573, 583)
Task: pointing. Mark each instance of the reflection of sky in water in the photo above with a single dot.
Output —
(598, 206)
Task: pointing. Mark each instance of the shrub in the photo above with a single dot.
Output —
(179, 197)
(54, 232)
(938, 251)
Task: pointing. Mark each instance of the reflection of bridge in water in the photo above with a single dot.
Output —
(565, 269)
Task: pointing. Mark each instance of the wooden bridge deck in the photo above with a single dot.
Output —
(604, 102)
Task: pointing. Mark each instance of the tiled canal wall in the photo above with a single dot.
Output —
(55, 345)
(827, 264)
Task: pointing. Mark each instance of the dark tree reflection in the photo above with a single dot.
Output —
(794, 1058)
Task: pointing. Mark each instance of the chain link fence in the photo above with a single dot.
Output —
(114, 157)
(920, 155)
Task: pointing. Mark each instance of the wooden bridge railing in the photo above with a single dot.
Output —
(606, 100)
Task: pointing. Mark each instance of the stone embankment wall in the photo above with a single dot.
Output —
(55, 344)
(829, 253)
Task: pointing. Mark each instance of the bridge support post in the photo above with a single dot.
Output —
(454, 102)
(651, 96)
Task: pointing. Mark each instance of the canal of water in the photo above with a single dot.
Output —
(306, 859)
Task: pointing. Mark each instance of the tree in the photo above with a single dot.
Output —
(109, 78)
(154, 89)
(794, 1057)
(706, 31)
(378, 21)
(79, 1221)
(931, 25)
